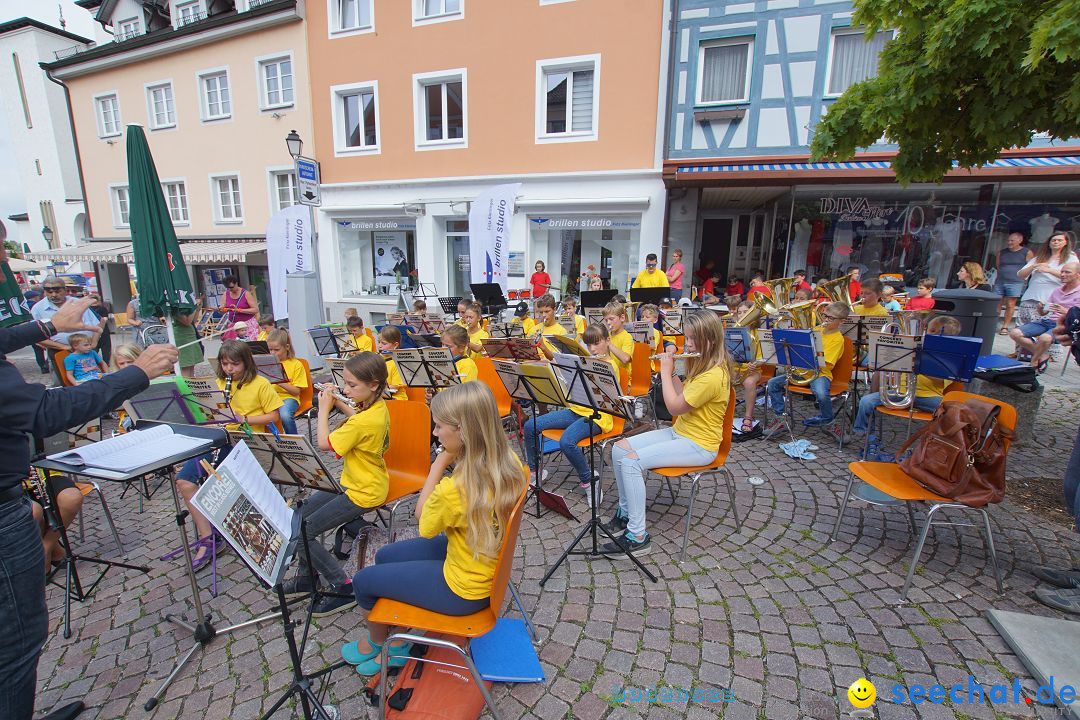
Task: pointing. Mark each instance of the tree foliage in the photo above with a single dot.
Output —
(961, 80)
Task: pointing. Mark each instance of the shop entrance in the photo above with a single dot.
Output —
(716, 241)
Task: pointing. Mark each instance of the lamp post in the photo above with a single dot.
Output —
(48, 234)
(295, 145)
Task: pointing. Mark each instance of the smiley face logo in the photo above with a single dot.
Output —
(862, 693)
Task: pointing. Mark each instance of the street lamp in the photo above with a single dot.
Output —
(294, 143)
(47, 233)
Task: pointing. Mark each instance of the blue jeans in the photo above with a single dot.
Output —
(287, 412)
(411, 571)
(868, 402)
(23, 614)
(323, 512)
(820, 387)
(576, 430)
(1072, 482)
(1038, 327)
(658, 448)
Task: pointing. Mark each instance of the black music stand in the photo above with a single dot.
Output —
(422, 340)
(740, 345)
(421, 368)
(597, 298)
(649, 295)
(585, 382)
(270, 368)
(426, 290)
(490, 296)
(267, 450)
(258, 347)
(449, 304)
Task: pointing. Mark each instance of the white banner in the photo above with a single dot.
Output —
(490, 218)
(288, 250)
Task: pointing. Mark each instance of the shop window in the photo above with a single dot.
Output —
(108, 115)
(854, 58)
(567, 99)
(440, 107)
(724, 71)
(458, 259)
(377, 261)
(570, 245)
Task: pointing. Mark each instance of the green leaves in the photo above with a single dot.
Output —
(962, 80)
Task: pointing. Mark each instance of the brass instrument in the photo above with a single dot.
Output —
(837, 290)
(752, 317)
(782, 289)
(801, 316)
(897, 390)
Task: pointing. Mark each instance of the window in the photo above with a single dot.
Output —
(375, 261)
(176, 197)
(226, 191)
(567, 107)
(458, 259)
(724, 71)
(127, 29)
(161, 109)
(356, 118)
(120, 205)
(437, 10)
(276, 77)
(215, 91)
(188, 12)
(854, 58)
(286, 190)
(351, 15)
(441, 109)
(108, 114)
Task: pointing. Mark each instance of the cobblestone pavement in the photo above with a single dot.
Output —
(774, 612)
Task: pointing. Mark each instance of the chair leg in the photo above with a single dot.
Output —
(433, 642)
(730, 482)
(843, 507)
(911, 518)
(670, 489)
(521, 609)
(82, 530)
(689, 511)
(989, 537)
(918, 551)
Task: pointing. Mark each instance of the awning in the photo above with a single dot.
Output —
(88, 252)
(1005, 162)
(202, 253)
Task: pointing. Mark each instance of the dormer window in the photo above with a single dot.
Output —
(127, 29)
(188, 12)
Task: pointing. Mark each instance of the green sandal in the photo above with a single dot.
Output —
(399, 655)
(350, 652)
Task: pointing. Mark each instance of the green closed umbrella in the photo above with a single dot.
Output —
(164, 285)
(12, 309)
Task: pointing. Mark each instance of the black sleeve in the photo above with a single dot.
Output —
(42, 411)
(19, 336)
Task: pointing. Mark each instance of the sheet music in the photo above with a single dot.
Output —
(337, 370)
(209, 401)
(240, 501)
(516, 348)
(162, 401)
(766, 347)
(324, 341)
(288, 460)
(671, 322)
(594, 316)
(895, 353)
(530, 381)
(270, 368)
(641, 331)
(132, 450)
(568, 323)
(505, 330)
(739, 344)
(566, 344)
(427, 367)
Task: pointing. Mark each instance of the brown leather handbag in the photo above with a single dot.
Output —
(961, 453)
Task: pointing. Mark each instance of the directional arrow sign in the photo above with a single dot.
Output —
(307, 176)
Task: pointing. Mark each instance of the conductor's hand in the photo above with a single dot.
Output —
(155, 360)
(69, 317)
(667, 362)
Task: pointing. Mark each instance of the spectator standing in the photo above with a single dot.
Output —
(1009, 285)
(675, 273)
(540, 280)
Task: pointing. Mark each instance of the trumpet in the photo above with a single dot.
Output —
(676, 356)
(338, 395)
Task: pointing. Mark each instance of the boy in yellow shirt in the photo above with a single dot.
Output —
(389, 339)
(476, 333)
(871, 299)
(622, 344)
(359, 337)
(266, 326)
(548, 324)
(521, 317)
(832, 341)
(651, 276)
(570, 304)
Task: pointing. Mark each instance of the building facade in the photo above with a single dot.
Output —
(36, 113)
(749, 82)
(441, 99)
(217, 85)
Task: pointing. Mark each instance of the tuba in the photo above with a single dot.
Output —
(801, 316)
(898, 390)
(782, 289)
(837, 290)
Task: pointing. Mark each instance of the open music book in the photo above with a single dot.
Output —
(126, 452)
(511, 348)
(571, 345)
(532, 381)
(641, 331)
(270, 368)
(597, 386)
(207, 402)
(288, 460)
(240, 501)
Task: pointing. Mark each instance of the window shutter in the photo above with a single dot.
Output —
(582, 102)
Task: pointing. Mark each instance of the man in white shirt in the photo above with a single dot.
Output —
(55, 297)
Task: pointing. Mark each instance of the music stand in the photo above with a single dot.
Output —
(795, 349)
(337, 370)
(426, 290)
(591, 383)
(423, 340)
(258, 347)
(490, 296)
(300, 466)
(506, 330)
(449, 304)
(207, 403)
(427, 367)
(949, 357)
(325, 343)
(652, 295)
(511, 348)
(597, 298)
(270, 368)
(740, 345)
(671, 322)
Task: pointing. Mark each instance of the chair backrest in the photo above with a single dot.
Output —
(487, 375)
(1007, 416)
(640, 369)
(416, 394)
(370, 334)
(410, 440)
(307, 394)
(505, 562)
(58, 359)
(729, 424)
(841, 374)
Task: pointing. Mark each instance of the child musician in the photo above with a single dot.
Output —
(389, 340)
(928, 390)
(359, 337)
(362, 441)
(472, 326)
(456, 338)
(622, 344)
(832, 340)
(521, 317)
(266, 326)
(871, 299)
(450, 568)
(254, 402)
(570, 304)
(419, 307)
(574, 419)
(693, 440)
(548, 324)
(281, 347)
(751, 377)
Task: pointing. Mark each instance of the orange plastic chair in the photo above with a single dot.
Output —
(408, 457)
(911, 414)
(840, 387)
(695, 473)
(897, 486)
(416, 394)
(58, 360)
(488, 376)
(306, 400)
(392, 612)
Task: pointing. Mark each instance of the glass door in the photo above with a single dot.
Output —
(458, 264)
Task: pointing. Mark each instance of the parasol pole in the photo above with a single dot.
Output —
(171, 333)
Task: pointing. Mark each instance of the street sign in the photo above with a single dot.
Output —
(307, 176)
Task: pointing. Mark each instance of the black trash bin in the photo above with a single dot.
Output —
(977, 311)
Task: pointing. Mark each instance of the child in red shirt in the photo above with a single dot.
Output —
(923, 301)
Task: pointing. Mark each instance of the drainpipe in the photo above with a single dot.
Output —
(78, 155)
(673, 35)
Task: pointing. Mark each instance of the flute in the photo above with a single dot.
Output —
(674, 357)
(337, 393)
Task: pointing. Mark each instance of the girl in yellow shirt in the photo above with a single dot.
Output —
(361, 441)
(389, 340)
(622, 344)
(699, 405)
(476, 333)
(456, 338)
(450, 568)
(296, 378)
(253, 401)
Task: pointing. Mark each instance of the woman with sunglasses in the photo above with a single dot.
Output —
(239, 303)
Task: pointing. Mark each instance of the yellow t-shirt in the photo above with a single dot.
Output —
(467, 366)
(475, 337)
(362, 441)
(257, 397)
(263, 335)
(294, 372)
(605, 422)
(654, 279)
(657, 346)
(363, 343)
(394, 379)
(832, 344)
(708, 395)
(528, 325)
(624, 341)
(878, 309)
(555, 329)
(444, 512)
(929, 387)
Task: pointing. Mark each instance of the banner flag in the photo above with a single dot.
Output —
(490, 219)
(288, 250)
